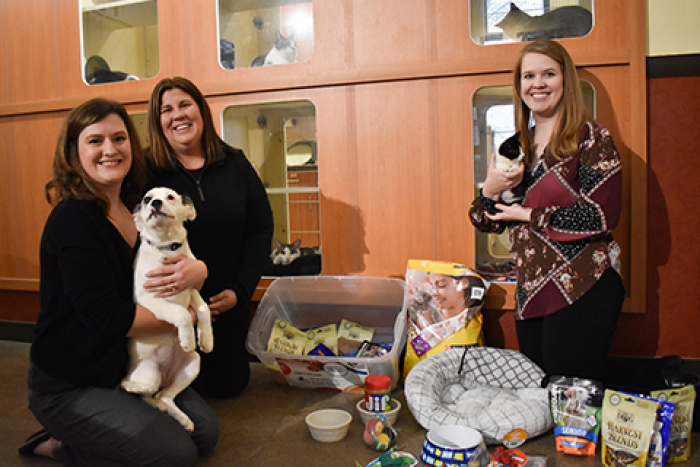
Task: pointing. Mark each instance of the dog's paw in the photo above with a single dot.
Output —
(156, 403)
(188, 346)
(188, 425)
(206, 347)
(187, 339)
(135, 387)
(206, 341)
(176, 413)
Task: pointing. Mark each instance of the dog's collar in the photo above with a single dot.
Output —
(167, 247)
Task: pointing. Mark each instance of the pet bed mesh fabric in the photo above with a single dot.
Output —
(489, 389)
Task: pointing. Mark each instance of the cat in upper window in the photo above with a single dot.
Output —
(286, 253)
(283, 51)
(568, 21)
(97, 71)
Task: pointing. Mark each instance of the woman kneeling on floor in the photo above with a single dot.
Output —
(79, 353)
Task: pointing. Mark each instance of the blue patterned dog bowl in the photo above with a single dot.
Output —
(454, 446)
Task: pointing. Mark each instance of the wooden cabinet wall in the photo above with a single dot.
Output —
(392, 82)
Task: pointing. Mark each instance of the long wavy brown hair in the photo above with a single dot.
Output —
(572, 113)
(160, 152)
(69, 177)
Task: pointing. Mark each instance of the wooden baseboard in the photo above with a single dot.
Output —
(673, 66)
(19, 331)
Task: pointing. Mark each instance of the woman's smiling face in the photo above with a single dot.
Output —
(104, 150)
(541, 84)
(181, 120)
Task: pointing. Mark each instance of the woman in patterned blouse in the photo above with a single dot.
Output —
(569, 289)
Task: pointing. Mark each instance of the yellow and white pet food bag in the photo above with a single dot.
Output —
(444, 308)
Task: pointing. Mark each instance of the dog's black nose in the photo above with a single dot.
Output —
(156, 203)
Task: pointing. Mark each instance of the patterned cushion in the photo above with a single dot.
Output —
(489, 389)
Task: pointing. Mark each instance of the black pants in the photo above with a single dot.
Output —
(575, 340)
(111, 427)
(225, 372)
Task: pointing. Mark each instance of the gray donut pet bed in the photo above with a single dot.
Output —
(489, 389)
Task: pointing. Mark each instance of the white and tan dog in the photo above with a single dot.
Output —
(162, 366)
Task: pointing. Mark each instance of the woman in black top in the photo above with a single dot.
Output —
(232, 234)
(79, 353)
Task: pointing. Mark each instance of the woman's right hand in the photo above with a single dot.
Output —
(498, 181)
(175, 275)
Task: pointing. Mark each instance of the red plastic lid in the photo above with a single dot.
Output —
(377, 382)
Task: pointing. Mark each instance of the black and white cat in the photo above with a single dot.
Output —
(285, 253)
(510, 154)
(283, 51)
(509, 158)
(567, 21)
(97, 71)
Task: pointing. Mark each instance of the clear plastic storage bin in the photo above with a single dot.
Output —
(308, 302)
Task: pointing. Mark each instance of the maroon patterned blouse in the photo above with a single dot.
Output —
(567, 245)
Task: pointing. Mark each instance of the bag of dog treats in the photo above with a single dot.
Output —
(351, 335)
(658, 445)
(662, 431)
(326, 335)
(444, 308)
(576, 406)
(627, 428)
(285, 338)
(679, 439)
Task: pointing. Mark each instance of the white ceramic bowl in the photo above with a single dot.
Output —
(391, 415)
(328, 425)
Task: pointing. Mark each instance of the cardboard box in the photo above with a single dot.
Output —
(308, 302)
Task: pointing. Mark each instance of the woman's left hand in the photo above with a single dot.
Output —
(498, 181)
(225, 300)
(514, 212)
(175, 275)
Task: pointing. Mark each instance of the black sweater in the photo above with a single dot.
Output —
(233, 230)
(87, 304)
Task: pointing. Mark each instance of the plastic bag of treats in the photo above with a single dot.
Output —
(627, 428)
(679, 439)
(658, 448)
(576, 407)
(658, 444)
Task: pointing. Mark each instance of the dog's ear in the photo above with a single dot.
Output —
(137, 217)
(188, 205)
